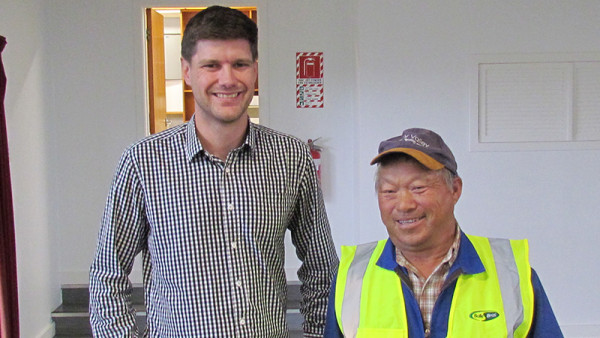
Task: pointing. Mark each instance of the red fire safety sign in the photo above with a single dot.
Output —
(309, 80)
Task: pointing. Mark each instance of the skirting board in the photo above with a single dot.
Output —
(581, 331)
(48, 332)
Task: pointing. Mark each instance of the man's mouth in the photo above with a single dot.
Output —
(410, 221)
(226, 96)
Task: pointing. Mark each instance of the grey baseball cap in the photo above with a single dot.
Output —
(424, 145)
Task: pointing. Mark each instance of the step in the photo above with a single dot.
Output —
(78, 294)
(74, 321)
(71, 319)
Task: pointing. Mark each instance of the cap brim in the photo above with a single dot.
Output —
(420, 156)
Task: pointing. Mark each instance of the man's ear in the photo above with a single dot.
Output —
(256, 70)
(185, 70)
(456, 188)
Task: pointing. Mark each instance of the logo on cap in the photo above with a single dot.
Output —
(415, 140)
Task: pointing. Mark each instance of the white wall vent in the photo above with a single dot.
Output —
(535, 102)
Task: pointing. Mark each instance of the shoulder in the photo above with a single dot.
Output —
(278, 144)
(165, 140)
(380, 248)
(277, 137)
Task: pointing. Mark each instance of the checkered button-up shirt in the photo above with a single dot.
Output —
(211, 234)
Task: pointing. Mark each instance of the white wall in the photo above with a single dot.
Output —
(31, 150)
(97, 110)
(330, 27)
(389, 65)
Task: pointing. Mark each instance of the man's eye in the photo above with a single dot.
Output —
(241, 65)
(418, 188)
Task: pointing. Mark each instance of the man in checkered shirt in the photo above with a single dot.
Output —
(207, 204)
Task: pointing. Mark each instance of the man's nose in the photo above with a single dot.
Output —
(227, 75)
(405, 201)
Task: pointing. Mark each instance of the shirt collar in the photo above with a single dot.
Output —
(449, 258)
(193, 147)
(467, 259)
(192, 143)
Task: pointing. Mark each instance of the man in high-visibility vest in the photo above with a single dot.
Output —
(430, 279)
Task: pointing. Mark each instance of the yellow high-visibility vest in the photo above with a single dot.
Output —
(495, 303)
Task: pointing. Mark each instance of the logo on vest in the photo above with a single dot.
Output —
(484, 316)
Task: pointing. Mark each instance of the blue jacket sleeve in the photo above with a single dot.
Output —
(544, 322)
(332, 329)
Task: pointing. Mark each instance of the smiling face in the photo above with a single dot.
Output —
(222, 75)
(417, 206)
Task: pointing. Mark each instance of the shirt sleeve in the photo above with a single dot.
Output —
(311, 235)
(120, 239)
(544, 322)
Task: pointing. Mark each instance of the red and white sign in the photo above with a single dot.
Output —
(309, 80)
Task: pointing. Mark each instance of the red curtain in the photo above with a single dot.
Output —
(9, 303)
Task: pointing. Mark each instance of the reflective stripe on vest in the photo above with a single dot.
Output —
(503, 304)
(356, 271)
(356, 296)
(482, 303)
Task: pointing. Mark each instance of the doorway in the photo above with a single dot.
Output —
(171, 101)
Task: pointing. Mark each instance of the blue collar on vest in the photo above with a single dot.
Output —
(467, 260)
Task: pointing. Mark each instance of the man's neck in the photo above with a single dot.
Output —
(220, 139)
(426, 261)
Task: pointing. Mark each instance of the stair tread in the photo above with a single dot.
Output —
(78, 294)
(84, 310)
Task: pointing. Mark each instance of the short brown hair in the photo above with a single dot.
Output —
(218, 23)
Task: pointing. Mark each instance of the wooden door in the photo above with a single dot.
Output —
(156, 71)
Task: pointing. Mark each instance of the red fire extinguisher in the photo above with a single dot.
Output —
(315, 151)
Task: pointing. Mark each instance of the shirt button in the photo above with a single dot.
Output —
(242, 321)
(230, 206)
(234, 245)
(238, 283)
(227, 170)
